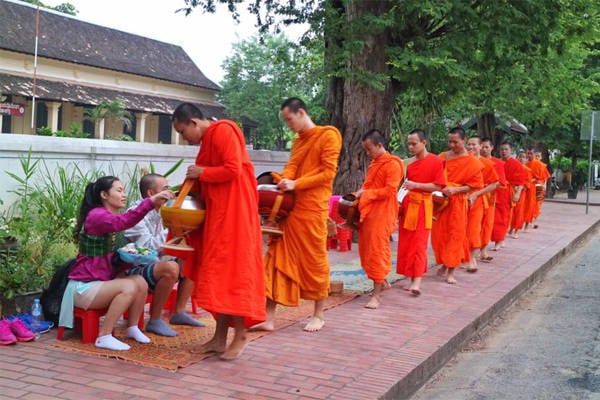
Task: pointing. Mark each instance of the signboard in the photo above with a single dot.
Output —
(590, 125)
(14, 109)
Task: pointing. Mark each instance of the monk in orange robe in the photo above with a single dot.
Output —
(498, 212)
(516, 175)
(296, 264)
(540, 174)
(463, 175)
(378, 206)
(480, 202)
(229, 276)
(530, 202)
(424, 175)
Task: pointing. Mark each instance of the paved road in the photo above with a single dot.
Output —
(546, 346)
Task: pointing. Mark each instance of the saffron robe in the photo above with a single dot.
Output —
(449, 230)
(540, 174)
(296, 264)
(490, 175)
(530, 202)
(516, 175)
(229, 277)
(502, 204)
(413, 237)
(378, 206)
(479, 207)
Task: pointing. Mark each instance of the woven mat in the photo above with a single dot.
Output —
(174, 352)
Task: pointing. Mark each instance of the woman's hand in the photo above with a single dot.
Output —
(161, 197)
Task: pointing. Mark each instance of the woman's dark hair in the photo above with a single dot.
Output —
(91, 199)
(185, 112)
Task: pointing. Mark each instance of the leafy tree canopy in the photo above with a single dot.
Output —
(264, 71)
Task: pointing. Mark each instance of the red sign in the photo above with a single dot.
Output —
(18, 110)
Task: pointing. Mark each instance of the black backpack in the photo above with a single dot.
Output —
(51, 297)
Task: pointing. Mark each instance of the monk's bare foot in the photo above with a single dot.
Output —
(212, 346)
(441, 271)
(415, 292)
(385, 285)
(315, 324)
(268, 326)
(451, 280)
(235, 349)
(373, 303)
(514, 235)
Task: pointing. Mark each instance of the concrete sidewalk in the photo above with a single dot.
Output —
(360, 353)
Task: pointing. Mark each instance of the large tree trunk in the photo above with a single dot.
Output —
(356, 107)
(486, 125)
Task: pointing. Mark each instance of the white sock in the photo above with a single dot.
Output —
(137, 335)
(111, 343)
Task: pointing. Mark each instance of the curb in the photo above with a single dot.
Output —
(415, 379)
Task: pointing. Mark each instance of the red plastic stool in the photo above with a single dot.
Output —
(88, 323)
(344, 238)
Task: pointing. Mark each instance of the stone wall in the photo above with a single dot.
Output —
(109, 156)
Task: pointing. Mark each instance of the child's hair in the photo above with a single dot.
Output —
(146, 183)
(91, 199)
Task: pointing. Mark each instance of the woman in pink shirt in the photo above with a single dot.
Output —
(94, 279)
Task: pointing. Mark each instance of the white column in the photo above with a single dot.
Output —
(174, 136)
(100, 128)
(140, 126)
(53, 107)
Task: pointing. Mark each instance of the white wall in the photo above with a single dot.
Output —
(109, 156)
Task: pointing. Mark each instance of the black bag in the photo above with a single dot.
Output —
(51, 297)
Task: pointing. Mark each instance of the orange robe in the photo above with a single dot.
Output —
(490, 175)
(413, 236)
(450, 227)
(540, 174)
(229, 271)
(296, 264)
(516, 175)
(530, 202)
(479, 207)
(378, 206)
(502, 204)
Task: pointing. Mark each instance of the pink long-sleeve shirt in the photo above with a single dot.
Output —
(100, 222)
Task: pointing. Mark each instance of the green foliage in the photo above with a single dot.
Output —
(111, 110)
(75, 131)
(44, 131)
(261, 73)
(65, 8)
(536, 61)
(41, 221)
(561, 163)
(124, 138)
(170, 170)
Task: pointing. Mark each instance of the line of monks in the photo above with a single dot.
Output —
(464, 197)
